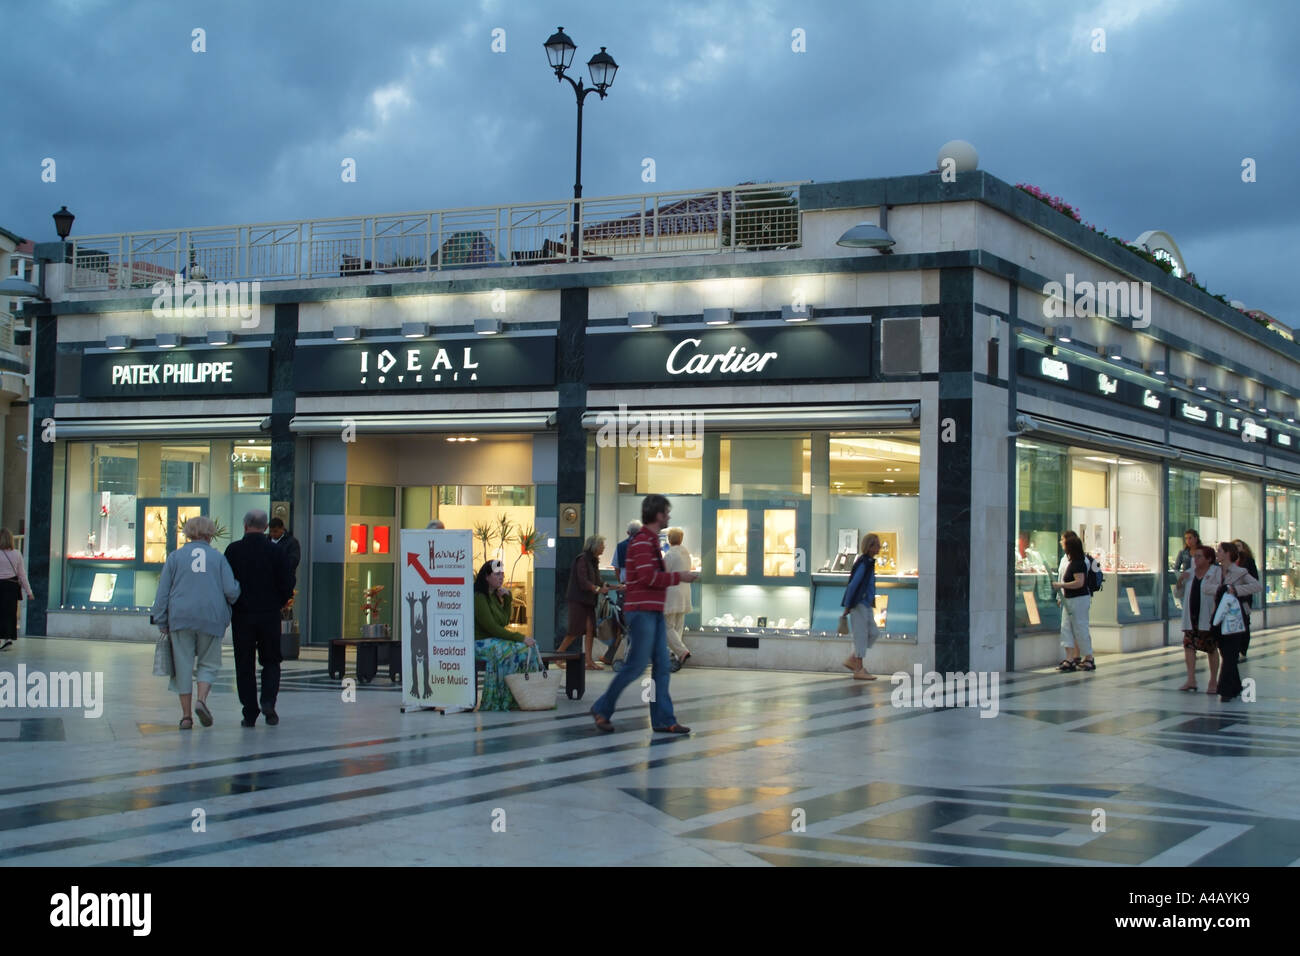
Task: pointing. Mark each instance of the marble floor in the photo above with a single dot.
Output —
(1113, 768)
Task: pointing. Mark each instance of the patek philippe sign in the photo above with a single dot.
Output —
(164, 372)
(759, 354)
(1090, 381)
(480, 362)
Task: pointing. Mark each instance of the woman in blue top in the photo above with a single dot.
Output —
(859, 599)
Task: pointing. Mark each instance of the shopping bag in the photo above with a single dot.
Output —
(164, 665)
(532, 689)
(1228, 617)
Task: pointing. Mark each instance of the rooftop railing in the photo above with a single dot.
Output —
(760, 216)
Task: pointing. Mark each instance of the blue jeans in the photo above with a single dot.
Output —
(647, 643)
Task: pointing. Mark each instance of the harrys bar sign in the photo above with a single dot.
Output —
(163, 372)
(479, 362)
(757, 354)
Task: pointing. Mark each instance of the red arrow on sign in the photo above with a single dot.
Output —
(414, 561)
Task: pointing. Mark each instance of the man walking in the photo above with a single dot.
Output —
(266, 582)
(620, 552)
(281, 537)
(643, 603)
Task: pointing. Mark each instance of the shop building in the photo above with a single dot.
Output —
(788, 393)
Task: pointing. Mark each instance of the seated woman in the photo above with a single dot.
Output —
(504, 650)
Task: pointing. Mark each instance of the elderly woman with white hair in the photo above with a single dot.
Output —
(195, 592)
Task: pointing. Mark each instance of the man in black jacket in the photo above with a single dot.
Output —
(266, 582)
(280, 535)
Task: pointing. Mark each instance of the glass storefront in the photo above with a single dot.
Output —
(773, 520)
(126, 501)
(1218, 507)
(1281, 560)
(1113, 503)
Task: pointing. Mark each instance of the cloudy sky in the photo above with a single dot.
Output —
(1151, 133)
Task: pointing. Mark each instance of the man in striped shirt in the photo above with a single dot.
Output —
(643, 604)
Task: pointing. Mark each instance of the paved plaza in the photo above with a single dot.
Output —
(787, 769)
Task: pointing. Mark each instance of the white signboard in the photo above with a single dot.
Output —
(436, 611)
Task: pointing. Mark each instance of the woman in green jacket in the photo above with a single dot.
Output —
(505, 651)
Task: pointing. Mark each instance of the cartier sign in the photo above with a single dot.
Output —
(761, 353)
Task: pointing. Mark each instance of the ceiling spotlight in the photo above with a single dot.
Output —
(642, 320)
(718, 316)
(347, 333)
(415, 330)
(487, 326)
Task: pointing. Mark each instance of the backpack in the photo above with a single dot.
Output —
(1094, 578)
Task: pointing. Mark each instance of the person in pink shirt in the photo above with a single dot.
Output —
(643, 603)
(13, 585)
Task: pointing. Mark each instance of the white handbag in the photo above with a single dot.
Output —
(532, 690)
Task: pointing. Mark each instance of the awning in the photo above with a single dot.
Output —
(1032, 424)
(244, 425)
(785, 416)
(399, 422)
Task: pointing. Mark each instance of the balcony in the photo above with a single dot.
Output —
(750, 216)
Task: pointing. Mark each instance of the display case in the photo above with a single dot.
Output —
(896, 603)
(779, 553)
(159, 526)
(732, 535)
(756, 542)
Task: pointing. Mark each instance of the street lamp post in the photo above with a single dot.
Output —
(559, 52)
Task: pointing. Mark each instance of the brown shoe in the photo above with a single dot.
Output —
(863, 674)
(853, 663)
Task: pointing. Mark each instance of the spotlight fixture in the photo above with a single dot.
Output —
(347, 333)
(1060, 333)
(166, 340)
(791, 314)
(1202, 385)
(415, 330)
(118, 342)
(1233, 396)
(1157, 368)
(1113, 352)
(220, 338)
(460, 438)
(718, 316)
(642, 320)
(487, 326)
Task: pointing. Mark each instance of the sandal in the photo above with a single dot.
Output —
(1191, 688)
(863, 674)
(187, 723)
(1088, 665)
(1213, 688)
(1066, 666)
(204, 715)
(595, 666)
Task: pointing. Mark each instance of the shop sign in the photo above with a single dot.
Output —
(428, 366)
(434, 608)
(759, 354)
(1090, 381)
(173, 372)
(1244, 427)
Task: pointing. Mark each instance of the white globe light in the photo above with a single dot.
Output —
(961, 153)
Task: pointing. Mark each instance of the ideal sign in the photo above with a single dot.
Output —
(513, 361)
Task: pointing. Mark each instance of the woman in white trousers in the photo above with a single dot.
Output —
(677, 602)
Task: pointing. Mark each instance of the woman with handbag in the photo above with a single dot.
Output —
(1199, 601)
(13, 585)
(192, 611)
(1239, 583)
(504, 650)
(859, 602)
(1076, 606)
(1247, 603)
(585, 586)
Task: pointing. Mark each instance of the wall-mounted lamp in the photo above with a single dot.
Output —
(118, 342)
(791, 314)
(415, 330)
(1159, 369)
(487, 326)
(870, 235)
(1202, 385)
(166, 340)
(347, 333)
(1061, 333)
(718, 316)
(642, 320)
(1233, 396)
(1112, 352)
(220, 338)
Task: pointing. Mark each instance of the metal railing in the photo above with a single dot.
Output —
(745, 217)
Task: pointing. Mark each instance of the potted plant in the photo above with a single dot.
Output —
(528, 538)
(502, 531)
(372, 604)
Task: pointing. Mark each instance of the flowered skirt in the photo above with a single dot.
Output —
(502, 657)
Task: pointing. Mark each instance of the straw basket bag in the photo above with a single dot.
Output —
(532, 689)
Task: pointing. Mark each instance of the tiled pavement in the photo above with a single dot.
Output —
(1111, 768)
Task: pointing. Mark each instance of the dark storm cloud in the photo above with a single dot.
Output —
(1149, 134)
